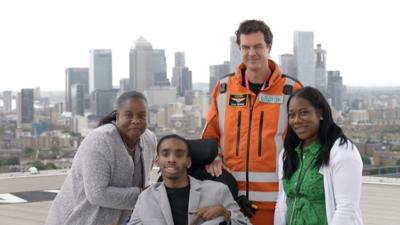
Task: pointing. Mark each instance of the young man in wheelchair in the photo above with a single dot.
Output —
(181, 199)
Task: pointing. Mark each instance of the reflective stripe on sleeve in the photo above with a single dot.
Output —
(282, 122)
(221, 105)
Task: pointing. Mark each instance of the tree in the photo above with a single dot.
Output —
(41, 166)
(366, 160)
(50, 166)
(38, 164)
(9, 161)
(29, 151)
(12, 161)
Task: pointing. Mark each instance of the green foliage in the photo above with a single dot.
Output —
(9, 161)
(366, 160)
(51, 166)
(41, 166)
(29, 151)
(55, 150)
(38, 164)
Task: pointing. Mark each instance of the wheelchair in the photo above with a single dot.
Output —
(203, 152)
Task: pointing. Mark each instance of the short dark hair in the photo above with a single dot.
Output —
(253, 26)
(130, 95)
(328, 133)
(121, 99)
(173, 136)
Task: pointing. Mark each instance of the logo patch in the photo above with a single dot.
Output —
(238, 100)
(274, 99)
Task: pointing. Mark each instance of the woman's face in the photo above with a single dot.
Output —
(304, 119)
(132, 119)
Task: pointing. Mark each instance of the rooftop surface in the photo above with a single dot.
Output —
(26, 199)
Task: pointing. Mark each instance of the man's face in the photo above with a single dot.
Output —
(173, 159)
(132, 119)
(254, 51)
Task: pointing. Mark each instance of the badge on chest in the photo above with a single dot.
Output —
(273, 99)
(237, 100)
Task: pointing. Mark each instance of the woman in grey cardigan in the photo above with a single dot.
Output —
(111, 167)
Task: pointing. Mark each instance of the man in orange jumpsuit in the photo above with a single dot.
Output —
(248, 117)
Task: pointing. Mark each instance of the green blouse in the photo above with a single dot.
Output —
(307, 205)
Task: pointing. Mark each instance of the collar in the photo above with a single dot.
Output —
(313, 148)
(274, 77)
(247, 82)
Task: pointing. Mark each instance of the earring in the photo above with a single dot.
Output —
(321, 118)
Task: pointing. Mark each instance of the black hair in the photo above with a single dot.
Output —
(112, 117)
(328, 133)
(253, 26)
(173, 136)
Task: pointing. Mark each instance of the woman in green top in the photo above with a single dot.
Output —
(320, 169)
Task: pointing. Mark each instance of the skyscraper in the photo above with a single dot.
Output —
(7, 101)
(124, 85)
(78, 99)
(76, 76)
(159, 96)
(180, 59)
(147, 66)
(181, 75)
(287, 65)
(235, 58)
(217, 72)
(26, 112)
(100, 70)
(336, 89)
(303, 48)
(104, 101)
(320, 69)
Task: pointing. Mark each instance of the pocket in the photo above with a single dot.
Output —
(260, 129)
(239, 121)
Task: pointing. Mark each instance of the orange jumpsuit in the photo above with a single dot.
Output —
(250, 130)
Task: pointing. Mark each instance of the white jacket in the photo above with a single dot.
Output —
(342, 186)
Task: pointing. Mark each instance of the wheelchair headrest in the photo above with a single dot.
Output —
(203, 151)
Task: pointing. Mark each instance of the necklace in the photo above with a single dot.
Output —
(131, 150)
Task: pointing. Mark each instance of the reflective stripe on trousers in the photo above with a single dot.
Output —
(256, 176)
(261, 196)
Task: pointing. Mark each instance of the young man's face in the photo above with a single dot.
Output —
(254, 51)
(173, 159)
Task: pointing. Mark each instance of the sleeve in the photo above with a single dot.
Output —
(346, 180)
(281, 207)
(135, 218)
(211, 128)
(237, 217)
(96, 175)
(153, 146)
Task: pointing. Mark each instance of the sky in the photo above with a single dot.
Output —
(39, 39)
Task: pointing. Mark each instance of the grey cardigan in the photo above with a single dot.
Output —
(98, 190)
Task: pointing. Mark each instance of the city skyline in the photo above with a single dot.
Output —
(41, 39)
